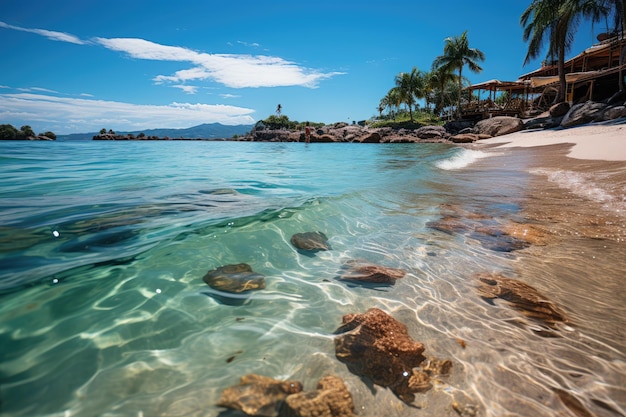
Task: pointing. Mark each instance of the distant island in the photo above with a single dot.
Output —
(206, 131)
(9, 132)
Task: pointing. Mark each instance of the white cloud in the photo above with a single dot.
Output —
(189, 89)
(229, 96)
(44, 112)
(231, 70)
(236, 71)
(248, 44)
(50, 34)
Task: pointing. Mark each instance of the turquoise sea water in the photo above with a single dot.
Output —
(103, 246)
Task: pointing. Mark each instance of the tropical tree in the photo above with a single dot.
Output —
(26, 131)
(456, 55)
(441, 81)
(391, 101)
(410, 87)
(555, 20)
(8, 132)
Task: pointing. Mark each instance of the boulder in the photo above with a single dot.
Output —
(330, 399)
(456, 126)
(499, 125)
(373, 137)
(582, 113)
(431, 132)
(310, 241)
(377, 346)
(365, 272)
(559, 109)
(464, 138)
(234, 278)
(613, 113)
(325, 138)
(543, 122)
(258, 395)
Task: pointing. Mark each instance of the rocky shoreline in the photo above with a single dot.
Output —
(461, 131)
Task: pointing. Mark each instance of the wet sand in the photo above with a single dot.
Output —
(577, 195)
(503, 363)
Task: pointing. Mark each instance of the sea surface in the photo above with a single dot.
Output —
(103, 247)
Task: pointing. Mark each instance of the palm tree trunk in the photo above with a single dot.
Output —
(623, 51)
(458, 106)
(560, 96)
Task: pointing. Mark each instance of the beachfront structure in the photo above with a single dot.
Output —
(591, 75)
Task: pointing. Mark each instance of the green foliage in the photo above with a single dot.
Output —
(456, 55)
(141, 135)
(8, 132)
(402, 120)
(279, 122)
(103, 131)
(26, 132)
(275, 122)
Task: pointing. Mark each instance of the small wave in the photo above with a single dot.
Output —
(584, 185)
(461, 159)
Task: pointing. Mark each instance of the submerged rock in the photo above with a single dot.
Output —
(310, 241)
(497, 240)
(377, 346)
(234, 278)
(522, 297)
(330, 399)
(258, 395)
(365, 272)
(450, 225)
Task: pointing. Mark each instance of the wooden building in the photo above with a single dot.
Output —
(591, 75)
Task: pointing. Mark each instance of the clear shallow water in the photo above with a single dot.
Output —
(103, 246)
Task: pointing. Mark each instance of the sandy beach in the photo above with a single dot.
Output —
(605, 142)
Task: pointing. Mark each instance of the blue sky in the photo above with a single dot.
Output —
(79, 66)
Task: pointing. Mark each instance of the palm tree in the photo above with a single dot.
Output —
(391, 101)
(410, 87)
(440, 80)
(557, 20)
(456, 55)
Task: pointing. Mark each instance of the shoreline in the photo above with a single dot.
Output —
(602, 141)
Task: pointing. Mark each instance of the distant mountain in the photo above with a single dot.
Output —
(203, 131)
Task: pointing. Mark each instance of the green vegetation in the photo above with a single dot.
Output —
(456, 55)
(402, 120)
(437, 87)
(9, 132)
(545, 22)
(277, 122)
(557, 21)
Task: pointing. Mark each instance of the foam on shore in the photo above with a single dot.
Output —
(588, 186)
(462, 159)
